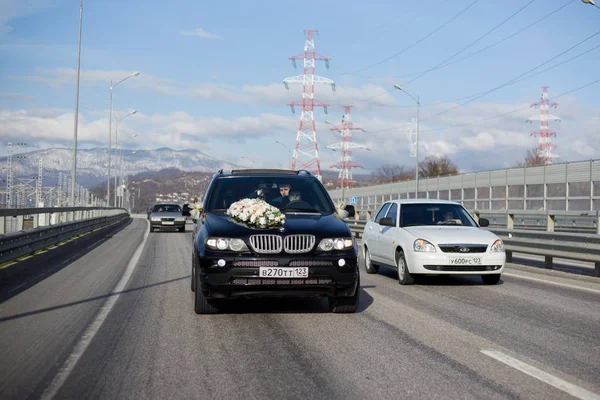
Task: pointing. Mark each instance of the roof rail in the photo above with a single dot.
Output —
(307, 172)
(263, 171)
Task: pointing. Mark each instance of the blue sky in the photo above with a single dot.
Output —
(211, 76)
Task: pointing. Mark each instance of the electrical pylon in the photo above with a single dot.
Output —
(545, 145)
(9, 178)
(306, 150)
(345, 146)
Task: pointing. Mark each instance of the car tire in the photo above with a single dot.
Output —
(202, 304)
(182, 229)
(369, 266)
(404, 275)
(345, 305)
(491, 279)
(151, 229)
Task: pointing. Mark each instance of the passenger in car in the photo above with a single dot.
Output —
(284, 198)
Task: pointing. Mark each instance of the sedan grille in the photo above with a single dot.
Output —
(463, 248)
(295, 244)
(167, 219)
(266, 244)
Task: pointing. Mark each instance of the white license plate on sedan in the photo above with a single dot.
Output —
(465, 261)
(168, 223)
(283, 272)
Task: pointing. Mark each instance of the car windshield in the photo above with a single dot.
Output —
(170, 208)
(434, 214)
(289, 195)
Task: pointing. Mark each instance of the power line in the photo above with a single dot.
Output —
(415, 43)
(491, 117)
(512, 80)
(463, 58)
(470, 44)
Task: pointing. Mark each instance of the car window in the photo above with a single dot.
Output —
(382, 212)
(287, 194)
(435, 214)
(393, 213)
(167, 208)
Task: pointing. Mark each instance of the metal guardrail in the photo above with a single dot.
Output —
(18, 244)
(18, 219)
(570, 246)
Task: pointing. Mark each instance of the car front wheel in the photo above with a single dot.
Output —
(369, 266)
(345, 305)
(202, 304)
(404, 275)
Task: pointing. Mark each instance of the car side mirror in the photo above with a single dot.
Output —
(483, 222)
(387, 221)
(350, 210)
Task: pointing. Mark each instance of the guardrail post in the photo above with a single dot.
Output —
(548, 262)
(2, 225)
(508, 256)
(550, 223)
(20, 221)
(597, 223)
(36, 220)
(510, 221)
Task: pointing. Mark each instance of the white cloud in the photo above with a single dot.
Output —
(202, 34)
(13, 9)
(16, 97)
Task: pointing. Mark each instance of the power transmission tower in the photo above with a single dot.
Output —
(545, 145)
(306, 150)
(345, 165)
(38, 186)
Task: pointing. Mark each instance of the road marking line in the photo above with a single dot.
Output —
(93, 328)
(545, 377)
(8, 264)
(552, 283)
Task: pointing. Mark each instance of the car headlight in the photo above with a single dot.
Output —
(498, 246)
(329, 244)
(422, 245)
(180, 219)
(225, 244)
(155, 219)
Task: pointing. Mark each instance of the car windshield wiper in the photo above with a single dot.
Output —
(307, 210)
(449, 223)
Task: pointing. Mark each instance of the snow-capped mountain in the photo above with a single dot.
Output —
(92, 164)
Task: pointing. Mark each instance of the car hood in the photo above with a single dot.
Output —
(318, 225)
(452, 234)
(165, 215)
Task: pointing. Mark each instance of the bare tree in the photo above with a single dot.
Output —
(391, 173)
(437, 166)
(532, 159)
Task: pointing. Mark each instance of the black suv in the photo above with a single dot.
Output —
(312, 254)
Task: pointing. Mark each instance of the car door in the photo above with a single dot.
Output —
(386, 244)
(374, 230)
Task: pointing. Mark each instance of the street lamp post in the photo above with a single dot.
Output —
(74, 161)
(590, 2)
(117, 149)
(417, 141)
(110, 133)
(289, 154)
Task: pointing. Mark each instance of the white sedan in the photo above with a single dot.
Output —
(433, 237)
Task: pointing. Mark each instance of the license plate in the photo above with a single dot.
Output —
(283, 272)
(465, 261)
(168, 223)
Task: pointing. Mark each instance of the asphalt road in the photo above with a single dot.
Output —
(444, 338)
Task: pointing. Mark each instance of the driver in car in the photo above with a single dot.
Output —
(284, 198)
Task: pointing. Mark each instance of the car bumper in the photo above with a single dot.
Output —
(441, 263)
(239, 277)
(162, 225)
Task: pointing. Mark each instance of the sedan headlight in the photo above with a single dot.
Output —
(155, 219)
(329, 244)
(226, 244)
(497, 247)
(422, 245)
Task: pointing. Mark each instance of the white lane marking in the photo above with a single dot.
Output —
(552, 282)
(93, 328)
(545, 377)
